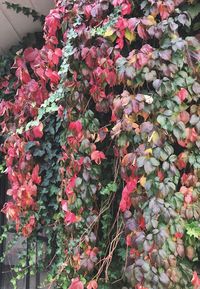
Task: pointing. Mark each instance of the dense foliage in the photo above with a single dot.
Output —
(102, 145)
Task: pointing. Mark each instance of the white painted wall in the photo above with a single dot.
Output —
(14, 26)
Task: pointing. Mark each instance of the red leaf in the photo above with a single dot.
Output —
(191, 134)
(134, 253)
(4, 83)
(124, 5)
(55, 55)
(70, 186)
(97, 156)
(142, 32)
(52, 75)
(40, 72)
(182, 94)
(38, 131)
(24, 75)
(28, 228)
(60, 111)
(84, 52)
(125, 202)
(164, 13)
(58, 52)
(32, 85)
(181, 161)
(184, 116)
(64, 205)
(120, 42)
(147, 49)
(75, 126)
(90, 61)
(35, 177)
(11, 210)
(160, 175)
(111, 78)
(30, 54)
(178, 235)
(139, 286)
(87, 11)
(70, 218)
(142, 223)
(129, 240)
(92, 285)
(126, 8)
(188, 199)
(195, 281)
(76, 284)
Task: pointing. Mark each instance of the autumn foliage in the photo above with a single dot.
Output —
(102, 144)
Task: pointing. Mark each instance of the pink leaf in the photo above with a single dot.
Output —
(52, 75)
(38, 131)
(30, 54)
(70, 218)
(76, 284)
(92, 285)
(64, 205)
(58, 52)
(111, 78)
(195, 281)
(97, 156)
(142, 32)
(182, 94)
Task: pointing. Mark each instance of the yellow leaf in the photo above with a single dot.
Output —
(143, 181)
(130, 36)
(148, 152)
(151, 19)
(133, 59)
(154, 137)
(113, 37)
(109, 32)
(174, 36)
(129, 82)
(72, 199)
(131, 120)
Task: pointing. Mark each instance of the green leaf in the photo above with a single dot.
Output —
(194, 10)
(163, 156)
(178, 133)
(161, 120)
(32, 124)
(154, 162)
(140, 161)
(148, 167)
(193, 229)
(110, 188)
(172, 158)
(122, 140)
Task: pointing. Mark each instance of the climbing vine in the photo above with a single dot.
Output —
(102, 145)
(25, 10)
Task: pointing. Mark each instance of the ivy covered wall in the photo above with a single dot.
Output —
(101, 145)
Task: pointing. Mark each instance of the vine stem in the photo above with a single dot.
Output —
(62, 267)
(107, 260)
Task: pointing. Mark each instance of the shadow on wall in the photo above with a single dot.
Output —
(14, 26)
